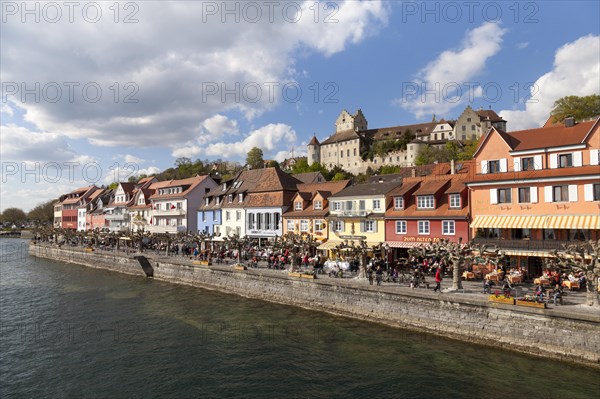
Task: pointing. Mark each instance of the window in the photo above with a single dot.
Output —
(448, 227)
(400, 226)
(251, 223)
(454, 200)
(596, 192)
(560, 193)
(318, 204)
(549, 234)
(377, 205)
(520, 234)
(494, 166)
(468, 119)
(290, 225)
(240, 197)
(355, 152)
(369, 226)
(230, 198)
(473, 127)
(304, 225)
(298, 205)
(423, 226)
(318, 226)
(524, 195)
(238, 215)
(425, 202)
(227, 215)
(338, 225)
(579, 235)
(238, 230)
(565, 160)
(398, 202)
(527, 164)
(504, 196)
(336, 205)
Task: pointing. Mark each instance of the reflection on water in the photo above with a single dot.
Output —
(72, 331)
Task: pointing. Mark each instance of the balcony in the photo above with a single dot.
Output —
(350, 213)
(116, 216)
(168, 212)
(528, 245)
(165, 229)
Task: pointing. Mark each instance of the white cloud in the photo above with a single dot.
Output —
(451, 70)
(576, 71)
(6, 109)
(166, 62)
(128, 158)
(522, 45)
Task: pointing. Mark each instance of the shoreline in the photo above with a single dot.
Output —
(571, 336)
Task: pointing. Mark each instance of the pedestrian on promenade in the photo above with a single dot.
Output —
(379, 274)
(438, 280)
(370, 274)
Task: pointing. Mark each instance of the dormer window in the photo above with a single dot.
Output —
(218, 200)
(224, 186)
(454, 200)
(398, 202)
(230, 198)
(318, 205)
(298, 205)
(565, 160)
(206, 201)
(240, 197)
(425, 202)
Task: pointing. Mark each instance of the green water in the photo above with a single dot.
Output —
(71, 331)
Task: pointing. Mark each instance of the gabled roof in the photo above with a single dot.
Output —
(405, 188)
(554, 135)
(309, 177)
(367, 189)
(488, 114)
(187, 186)
(395, 132)
(344, 135)
(309, 191)
(76, 195)
(432, 187)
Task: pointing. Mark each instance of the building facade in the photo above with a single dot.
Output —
(535, 190)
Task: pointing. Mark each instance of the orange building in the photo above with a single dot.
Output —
(537, 189)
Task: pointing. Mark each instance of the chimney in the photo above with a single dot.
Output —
(569, 121)
(413, 172)
(452, 166)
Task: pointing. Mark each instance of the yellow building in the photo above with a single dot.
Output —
(357, 212)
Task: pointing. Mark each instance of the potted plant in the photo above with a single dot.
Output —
(532, 301)
(502, 298)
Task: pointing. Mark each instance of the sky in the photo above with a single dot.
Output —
(94, 92)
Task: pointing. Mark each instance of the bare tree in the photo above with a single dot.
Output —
(583, 258)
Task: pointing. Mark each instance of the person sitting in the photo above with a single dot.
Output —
(487, 286)
(539, 291)
(558, 294)
(506, 287)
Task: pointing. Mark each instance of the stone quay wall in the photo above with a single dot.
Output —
(551, 333)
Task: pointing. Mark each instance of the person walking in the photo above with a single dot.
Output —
(438, 280)
(379, 275)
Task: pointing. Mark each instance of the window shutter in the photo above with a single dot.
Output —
(493, 196)
(343, 226)
(362, 227)
(537, 162)
(484, 167)
(503, 165)
(572, 192)
(548, 194)
(375, 226)
(553, 161)
(577, 159)
(331, 222)
(533, 194)
(594, 157)
(588, 192)
(517, 164)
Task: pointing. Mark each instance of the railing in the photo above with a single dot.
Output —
(116, 216)
(165, 229)
(532, 245)
(168, 212)
(350, 213)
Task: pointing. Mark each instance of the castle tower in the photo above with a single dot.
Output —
(314, 151)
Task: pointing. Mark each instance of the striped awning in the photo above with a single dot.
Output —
(403, 244)
(328, 245)
(509, 222)
(589, 222)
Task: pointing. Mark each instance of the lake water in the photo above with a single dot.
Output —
(71, 331)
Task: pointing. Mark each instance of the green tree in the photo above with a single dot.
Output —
(14, 216)
(389, 170)
(338, 176)
(577, 107)
(301, 166)
(113, 185)
(255, 158)
(42, 213)
(273, 164)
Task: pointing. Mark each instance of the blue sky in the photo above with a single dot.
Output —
(171, 61)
